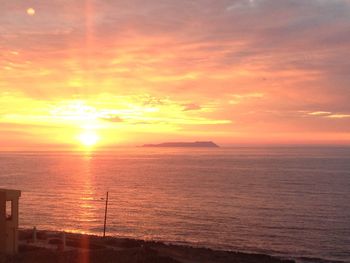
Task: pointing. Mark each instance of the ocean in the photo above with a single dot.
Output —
(292, 202)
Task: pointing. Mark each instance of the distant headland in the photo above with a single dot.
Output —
(208, 144)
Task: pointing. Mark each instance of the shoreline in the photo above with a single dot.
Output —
(90, 248)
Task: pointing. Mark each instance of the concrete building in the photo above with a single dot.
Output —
(9, 221)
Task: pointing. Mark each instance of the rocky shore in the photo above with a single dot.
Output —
(75, 248)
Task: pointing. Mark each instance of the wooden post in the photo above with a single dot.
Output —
(34, 234)
(104, 226)
(63, 241)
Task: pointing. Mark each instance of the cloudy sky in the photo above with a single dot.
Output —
(126, 72)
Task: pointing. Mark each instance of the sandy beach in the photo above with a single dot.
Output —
(87, 248)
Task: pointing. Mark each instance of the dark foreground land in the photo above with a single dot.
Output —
(90, 249)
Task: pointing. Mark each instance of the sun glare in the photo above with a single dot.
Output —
(89, 138)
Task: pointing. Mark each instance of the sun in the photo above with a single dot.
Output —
(88, 138)
(31, 11)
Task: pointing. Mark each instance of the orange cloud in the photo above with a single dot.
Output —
(219, 70)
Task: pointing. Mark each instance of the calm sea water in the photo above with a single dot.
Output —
(293, 202)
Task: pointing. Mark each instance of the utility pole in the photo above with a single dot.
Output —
(104, 226)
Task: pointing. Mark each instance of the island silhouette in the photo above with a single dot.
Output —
(204, 144)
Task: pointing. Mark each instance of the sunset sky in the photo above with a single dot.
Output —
(128, 72)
